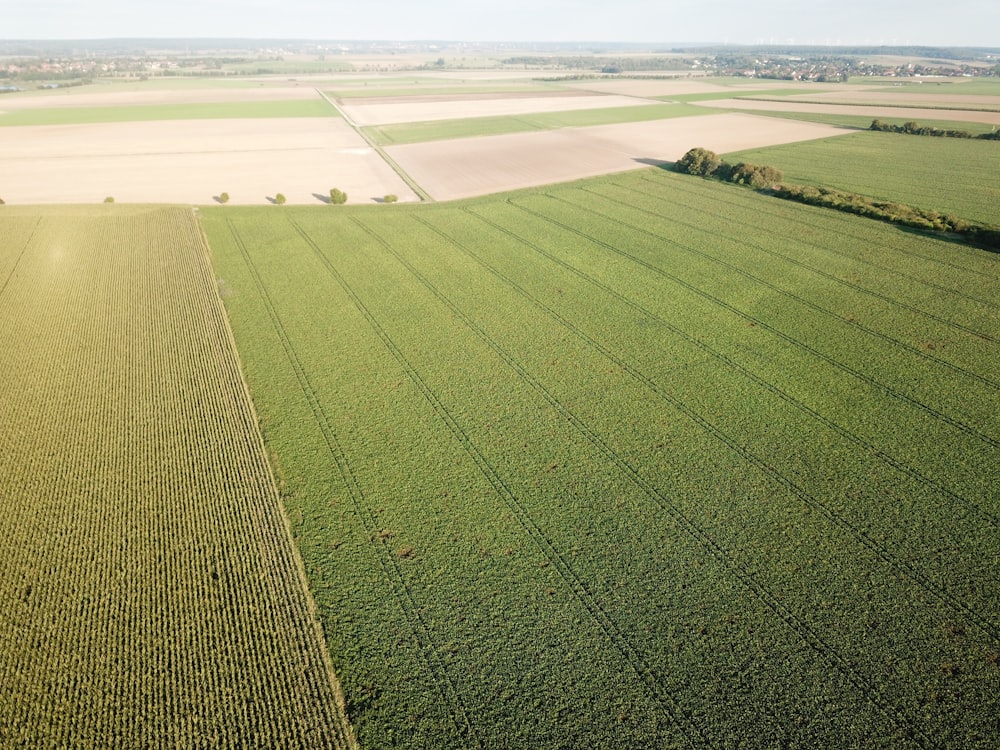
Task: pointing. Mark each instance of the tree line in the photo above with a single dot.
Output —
(914, 128)
(705, 163)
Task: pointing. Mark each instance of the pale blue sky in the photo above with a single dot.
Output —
(954, 22)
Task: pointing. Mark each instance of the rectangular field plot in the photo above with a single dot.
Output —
(150, 595)
(951, 175)
(921, 114)
(407, 109)
(192, 161)
(477, 166)
(644, 461)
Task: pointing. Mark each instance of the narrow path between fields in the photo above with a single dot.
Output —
(411, 183)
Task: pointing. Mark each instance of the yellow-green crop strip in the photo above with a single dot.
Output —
(642, 461)
(158, 112)
(150, 595)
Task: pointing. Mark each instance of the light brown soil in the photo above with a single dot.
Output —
(909, 97)
(661, 87)
(192, 161)
(479, 166)
(960, 115)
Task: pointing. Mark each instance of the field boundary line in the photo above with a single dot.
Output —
(853, 258)
(422, 194)
(348, 738)
(565, 570)
(387, 561)
(832, 277)
(693, 530)
(986, 515)
(802, 301)
(900, 466)
(957, 424)
(20, 255)
(866, 541)
(839, 217)
(937, 108)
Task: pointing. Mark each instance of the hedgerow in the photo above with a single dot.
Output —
(705, 163)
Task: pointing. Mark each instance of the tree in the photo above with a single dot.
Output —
(390, 198)
(756, 175)
(223, 197)
(280, 199)
(337, 197)
(698, 161)
(109, 199)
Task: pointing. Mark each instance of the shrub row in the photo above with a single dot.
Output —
(701, 161)
(913, 128)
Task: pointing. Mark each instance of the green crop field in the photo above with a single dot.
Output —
(158, 112)
(644, 461)
(432, 87)
(149, 592)
(951, 175)
(734, 93)
(419, 132)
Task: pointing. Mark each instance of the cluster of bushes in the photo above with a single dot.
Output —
(913, 128)
(705, 163)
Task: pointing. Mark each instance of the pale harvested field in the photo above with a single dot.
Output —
(192, 161)
(907, 98)
(909, 113)
(125, 96)
(365, 113)
(468, 167)
(654, 87)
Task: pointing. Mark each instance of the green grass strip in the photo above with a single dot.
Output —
(713, 95)
(417, 88)
(420, 132)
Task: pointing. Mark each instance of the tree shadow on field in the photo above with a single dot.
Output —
(218, 199)
(321, 198)
(950, 237)
(273, 201)
(666, 165)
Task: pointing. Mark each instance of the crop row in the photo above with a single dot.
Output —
(850, 341)
(903, 314)
(579, 495)
(865, 241)
(151, 594)
(954, 176)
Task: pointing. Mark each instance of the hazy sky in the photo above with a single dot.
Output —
(941, 22)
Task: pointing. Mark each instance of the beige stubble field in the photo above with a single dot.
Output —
(911, 113)
(479, 166)
(410, 109)
(191, 161)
